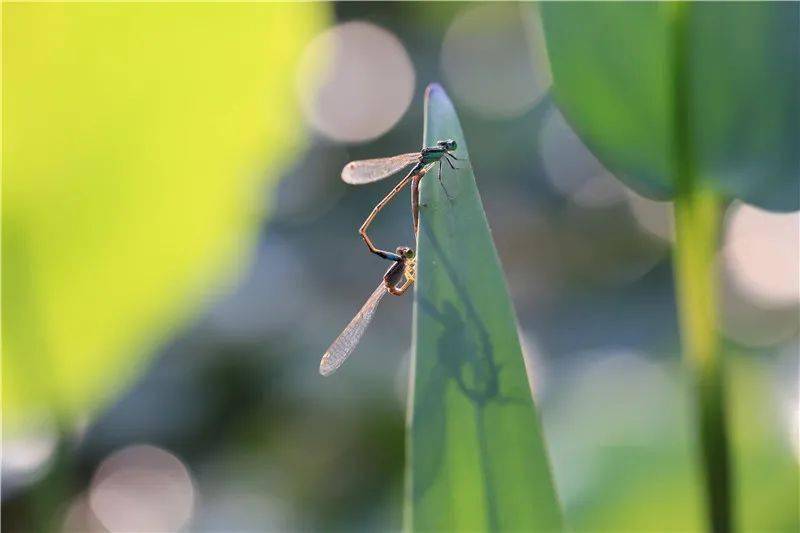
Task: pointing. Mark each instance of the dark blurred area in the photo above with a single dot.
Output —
(242, 434)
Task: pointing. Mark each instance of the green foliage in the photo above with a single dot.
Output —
(136, 137)
(698, 103)
(650, 483)
(477, 458)
(613, 72)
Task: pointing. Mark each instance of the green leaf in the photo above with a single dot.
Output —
(700, 102)
(612, 67)
(477, 457)
(135, 140)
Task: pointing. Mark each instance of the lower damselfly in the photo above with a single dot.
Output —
(398, 278)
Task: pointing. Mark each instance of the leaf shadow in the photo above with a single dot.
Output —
(465, 357)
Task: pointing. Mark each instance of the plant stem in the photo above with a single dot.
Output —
(697, 224)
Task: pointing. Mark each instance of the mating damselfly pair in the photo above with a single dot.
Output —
(401, 274)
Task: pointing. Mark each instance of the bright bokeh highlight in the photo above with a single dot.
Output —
(510, 79)
(142, 488)
(355, 82)
(762, 254)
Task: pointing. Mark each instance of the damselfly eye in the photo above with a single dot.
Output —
(448, 144)
(405, 252)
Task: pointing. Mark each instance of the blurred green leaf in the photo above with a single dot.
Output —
(137, 142)
(651, 485)
(477, 457)
(612, 64)
(699, 103)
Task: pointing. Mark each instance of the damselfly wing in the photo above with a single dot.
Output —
(369, 170)
(347, 340)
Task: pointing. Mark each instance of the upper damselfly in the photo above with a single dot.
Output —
(369, 170)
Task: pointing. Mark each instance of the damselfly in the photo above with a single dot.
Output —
(397, 280)
(367, 171)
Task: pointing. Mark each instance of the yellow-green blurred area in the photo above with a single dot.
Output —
(178, 251)
(135, 138)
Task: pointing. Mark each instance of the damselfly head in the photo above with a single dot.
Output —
(448, 144)
(405, 252)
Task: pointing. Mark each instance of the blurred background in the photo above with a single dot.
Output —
(178, 252)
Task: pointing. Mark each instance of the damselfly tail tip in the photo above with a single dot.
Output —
(325, 366)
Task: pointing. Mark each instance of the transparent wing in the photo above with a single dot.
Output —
(369, 170)
(347, 340)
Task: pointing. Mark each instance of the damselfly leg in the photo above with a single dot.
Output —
(415, 174)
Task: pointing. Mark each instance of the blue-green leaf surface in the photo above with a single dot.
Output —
(477, 459)
(614, 80)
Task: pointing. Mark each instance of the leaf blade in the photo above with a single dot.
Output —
(476, 454)
(612, 71)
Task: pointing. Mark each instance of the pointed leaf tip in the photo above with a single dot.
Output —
(433, 88)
